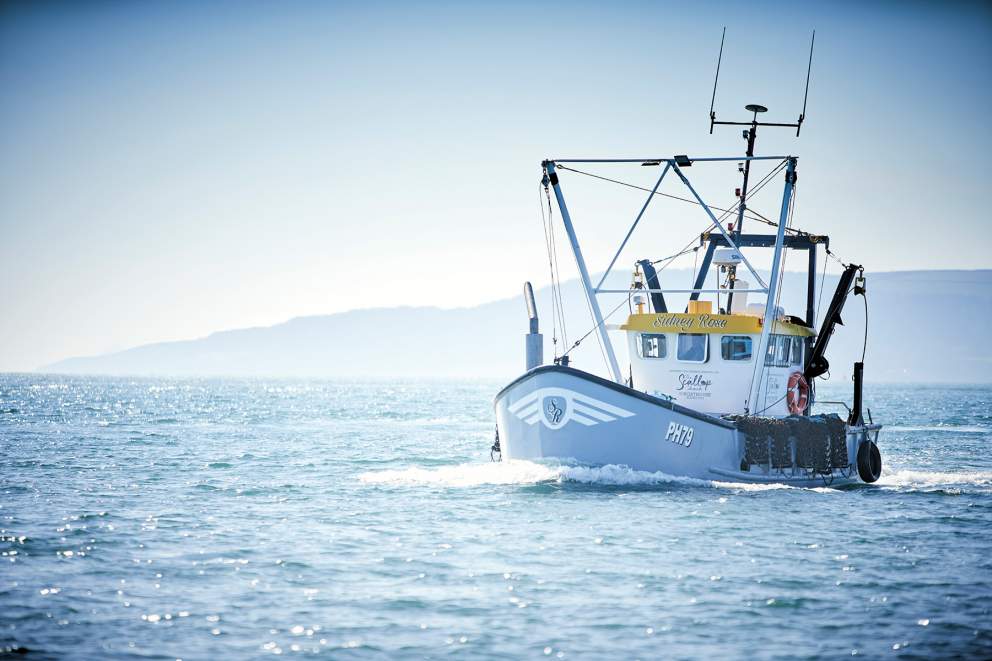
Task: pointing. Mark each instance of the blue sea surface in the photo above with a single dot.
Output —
(237, 519)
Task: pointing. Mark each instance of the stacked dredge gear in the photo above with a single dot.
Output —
(817, 443)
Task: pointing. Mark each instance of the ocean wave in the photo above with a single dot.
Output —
(925, 480)
(464, 475)
(957, 429)
(526, 472)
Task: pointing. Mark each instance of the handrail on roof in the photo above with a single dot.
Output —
(676, 291)
(673, 160)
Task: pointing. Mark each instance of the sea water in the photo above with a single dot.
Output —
(228, 519)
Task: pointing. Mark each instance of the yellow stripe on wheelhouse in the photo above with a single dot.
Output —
(680, 322)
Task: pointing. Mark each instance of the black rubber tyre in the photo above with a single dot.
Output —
(869, 462)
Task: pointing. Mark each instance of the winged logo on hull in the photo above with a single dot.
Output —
(555, 407)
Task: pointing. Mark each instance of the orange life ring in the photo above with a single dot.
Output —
(797, 396)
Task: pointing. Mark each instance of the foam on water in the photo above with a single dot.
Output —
(522, 472)
(927, 480)
(464, 475)
(526, 472)
(956, 429)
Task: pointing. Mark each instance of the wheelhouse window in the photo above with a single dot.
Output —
(779, 351)
(772, 350)
(735, 347)
(693, 347)
(783, 349)
(652, 345)
(797, 351)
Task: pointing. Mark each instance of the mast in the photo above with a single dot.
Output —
(750, 135)
(584, 275)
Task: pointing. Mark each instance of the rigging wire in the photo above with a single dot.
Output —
(761, 364)
(772, 404)
(688, 247)
(556, 285)
(749, 213)
(726, 212)
(685, 251)
(819, 298)
(648, 190)
(552, 246)
(668, 260)
(834, 257)
(864, 348)
(695, 262)
(754, 191)
(557, 304)
(594, 328)
(551, 269)
(561, 296)
(599, 340)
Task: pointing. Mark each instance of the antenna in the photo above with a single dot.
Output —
(717, 78)
(754, 123)
(750, 134)
(809, 68)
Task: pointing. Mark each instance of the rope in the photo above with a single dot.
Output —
(695, 262)
(599, 340)
(772, 404)
(554, 247)
(819, 298)
(551, 270)
(834, 257)
(556, 286)
(558, 306)
(864, 349)
(757, 188)
(684, 251)
(594, 328)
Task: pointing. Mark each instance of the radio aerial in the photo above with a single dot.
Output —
(754, 107)
(750, 134)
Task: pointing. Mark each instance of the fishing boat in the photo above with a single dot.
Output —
(721, 389)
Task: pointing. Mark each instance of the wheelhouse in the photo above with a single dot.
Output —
(707, 361)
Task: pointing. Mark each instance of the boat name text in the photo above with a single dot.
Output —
(684, 323)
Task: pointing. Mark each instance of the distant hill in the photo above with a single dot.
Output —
(925, 326)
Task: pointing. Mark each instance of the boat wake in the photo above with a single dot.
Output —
(520, 472)
(526, 472)
(950, 429)
(914, 480)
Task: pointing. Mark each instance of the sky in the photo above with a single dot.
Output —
(171, 169)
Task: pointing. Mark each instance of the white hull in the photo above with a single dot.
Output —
(560, 413)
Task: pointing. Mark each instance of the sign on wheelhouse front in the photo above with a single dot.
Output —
(693, 385)
(687, 322)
